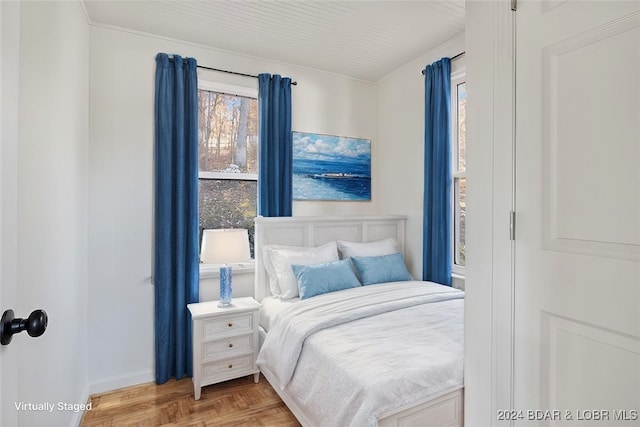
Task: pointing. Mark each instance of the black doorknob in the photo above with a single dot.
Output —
(35, 325)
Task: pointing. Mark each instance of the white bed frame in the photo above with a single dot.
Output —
(444, 410)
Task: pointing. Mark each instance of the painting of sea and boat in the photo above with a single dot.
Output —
(327, 167)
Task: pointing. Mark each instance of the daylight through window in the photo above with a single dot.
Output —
(459, 102)
(228, 160)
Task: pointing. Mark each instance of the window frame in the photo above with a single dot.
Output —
(457, 77)
(212, 270)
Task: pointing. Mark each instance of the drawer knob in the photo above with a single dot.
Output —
(230, 344)
(230, 366)
(230, 324)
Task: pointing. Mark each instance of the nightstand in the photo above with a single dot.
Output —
(225, 341)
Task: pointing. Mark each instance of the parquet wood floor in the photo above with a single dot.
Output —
(237, 403)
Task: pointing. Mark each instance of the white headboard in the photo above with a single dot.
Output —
(313, 231)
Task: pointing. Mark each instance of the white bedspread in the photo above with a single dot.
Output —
(349, 356)
(271, 307)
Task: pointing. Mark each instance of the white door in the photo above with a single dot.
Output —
(577, 273)
(9, 57)
(1, 139)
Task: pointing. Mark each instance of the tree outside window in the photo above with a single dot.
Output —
(228, 160)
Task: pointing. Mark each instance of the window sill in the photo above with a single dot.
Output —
(212, 271)
(457, 281)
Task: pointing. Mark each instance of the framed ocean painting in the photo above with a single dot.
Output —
(327, 167)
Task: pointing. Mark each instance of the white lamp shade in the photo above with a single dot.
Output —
(225, 246)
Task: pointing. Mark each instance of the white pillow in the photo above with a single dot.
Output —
(282, 258)
(268, 265)
(378, 248)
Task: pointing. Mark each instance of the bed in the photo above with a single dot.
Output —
(388, 354)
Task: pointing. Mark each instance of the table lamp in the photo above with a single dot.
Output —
(225, 246)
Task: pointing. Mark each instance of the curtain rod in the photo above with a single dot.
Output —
(230, 72)
(455, 57)
(233, 72)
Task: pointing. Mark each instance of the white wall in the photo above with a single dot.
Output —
(121, 349)
(44, 176)
(401, 144)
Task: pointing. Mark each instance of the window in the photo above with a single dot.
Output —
(459, 101)
(228, 156)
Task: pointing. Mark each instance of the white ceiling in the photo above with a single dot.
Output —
(361, 39)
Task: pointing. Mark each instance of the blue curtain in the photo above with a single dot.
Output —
(275, 164)
(437, 251)
(176, 274)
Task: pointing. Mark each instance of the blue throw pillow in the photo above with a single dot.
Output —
(380, 269)
(316, 279)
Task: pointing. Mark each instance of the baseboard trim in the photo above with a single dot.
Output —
(84, 398)
(122, 381)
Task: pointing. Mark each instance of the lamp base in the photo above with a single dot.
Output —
(225, 286)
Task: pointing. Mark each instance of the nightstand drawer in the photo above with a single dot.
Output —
(227, 368)
(228, 325)
(222, 349)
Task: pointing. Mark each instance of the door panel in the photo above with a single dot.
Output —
(577, 280)
(9, 60)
